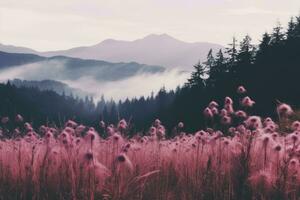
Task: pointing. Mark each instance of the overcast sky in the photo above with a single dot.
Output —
(61, 24)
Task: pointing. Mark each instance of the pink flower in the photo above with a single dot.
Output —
(247, 102)
(213, 104)
(295, 125)
(241, 90)
(4, 120)
(79, 129)
(19, 118)
(284, 110)
(278, 147)
(123, 160)
(122, 124)
(267, 121)
(253, 122)
(226, 120)
(208, 113)
(228, 100)
(161, 132)
(180, 125)
(102, 124)
(110, 130)
(241, 114)
(157, 122)
(215, 111)
(223, 112)
(229, 108)
(71, 124)
(28, 126)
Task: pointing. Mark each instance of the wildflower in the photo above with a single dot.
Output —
(247, 102)
(180, 125)
(267, 121)
(266, 139)
(152, 131)
(229, 108)
(121, 158)
(284, 110)
(77, 141)
(231, 130)
(89, 156)
(241, 128)
(213, 104)
(223, 112)
(102, 124)
(28, 126)
(19, 118)
(253, 122)
(49, 134)
(274, 136)
(157, 122)
(226, 142)
(70, 130)
(90, 136)
(241, 114)
(43, 129)
(270, 127)
(161, 131)
(71, 124)
(207, 113)
(215, 111)
(124, 160)
(110, 130)
(79, 129)
(295, 125)
(294, 163)
(122, 124)
(228, 100)
(116, 138)
(241, 90)
(293, 137)
(278, 147)
(226, 120)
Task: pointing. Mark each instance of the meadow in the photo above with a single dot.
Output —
(239, 156)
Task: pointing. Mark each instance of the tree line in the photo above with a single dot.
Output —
(269, 71)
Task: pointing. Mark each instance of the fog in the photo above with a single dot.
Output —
(35, 71)
(141, 84)
(136, 86)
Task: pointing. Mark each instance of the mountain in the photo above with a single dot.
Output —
(16, 49)
(33, 67)
(162, 50)
(50, 85)
(153, 49)
(14, 59)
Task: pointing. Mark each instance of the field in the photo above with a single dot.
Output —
(249, 157)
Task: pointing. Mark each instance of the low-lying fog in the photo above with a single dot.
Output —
(141, 84)
(136, 86)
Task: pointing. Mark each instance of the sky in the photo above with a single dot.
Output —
(61, 24)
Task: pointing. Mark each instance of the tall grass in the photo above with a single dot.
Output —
(251, 158)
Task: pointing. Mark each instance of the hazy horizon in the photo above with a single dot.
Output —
(107, 39)
(62, 24)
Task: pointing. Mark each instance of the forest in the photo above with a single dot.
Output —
(268, 70)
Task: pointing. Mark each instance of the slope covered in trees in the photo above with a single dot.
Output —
(268, 70)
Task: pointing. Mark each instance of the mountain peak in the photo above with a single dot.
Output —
(108, 41)
(163, 36)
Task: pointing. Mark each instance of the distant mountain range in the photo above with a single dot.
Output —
(17, 49)
(162, 50)
(34, 67)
